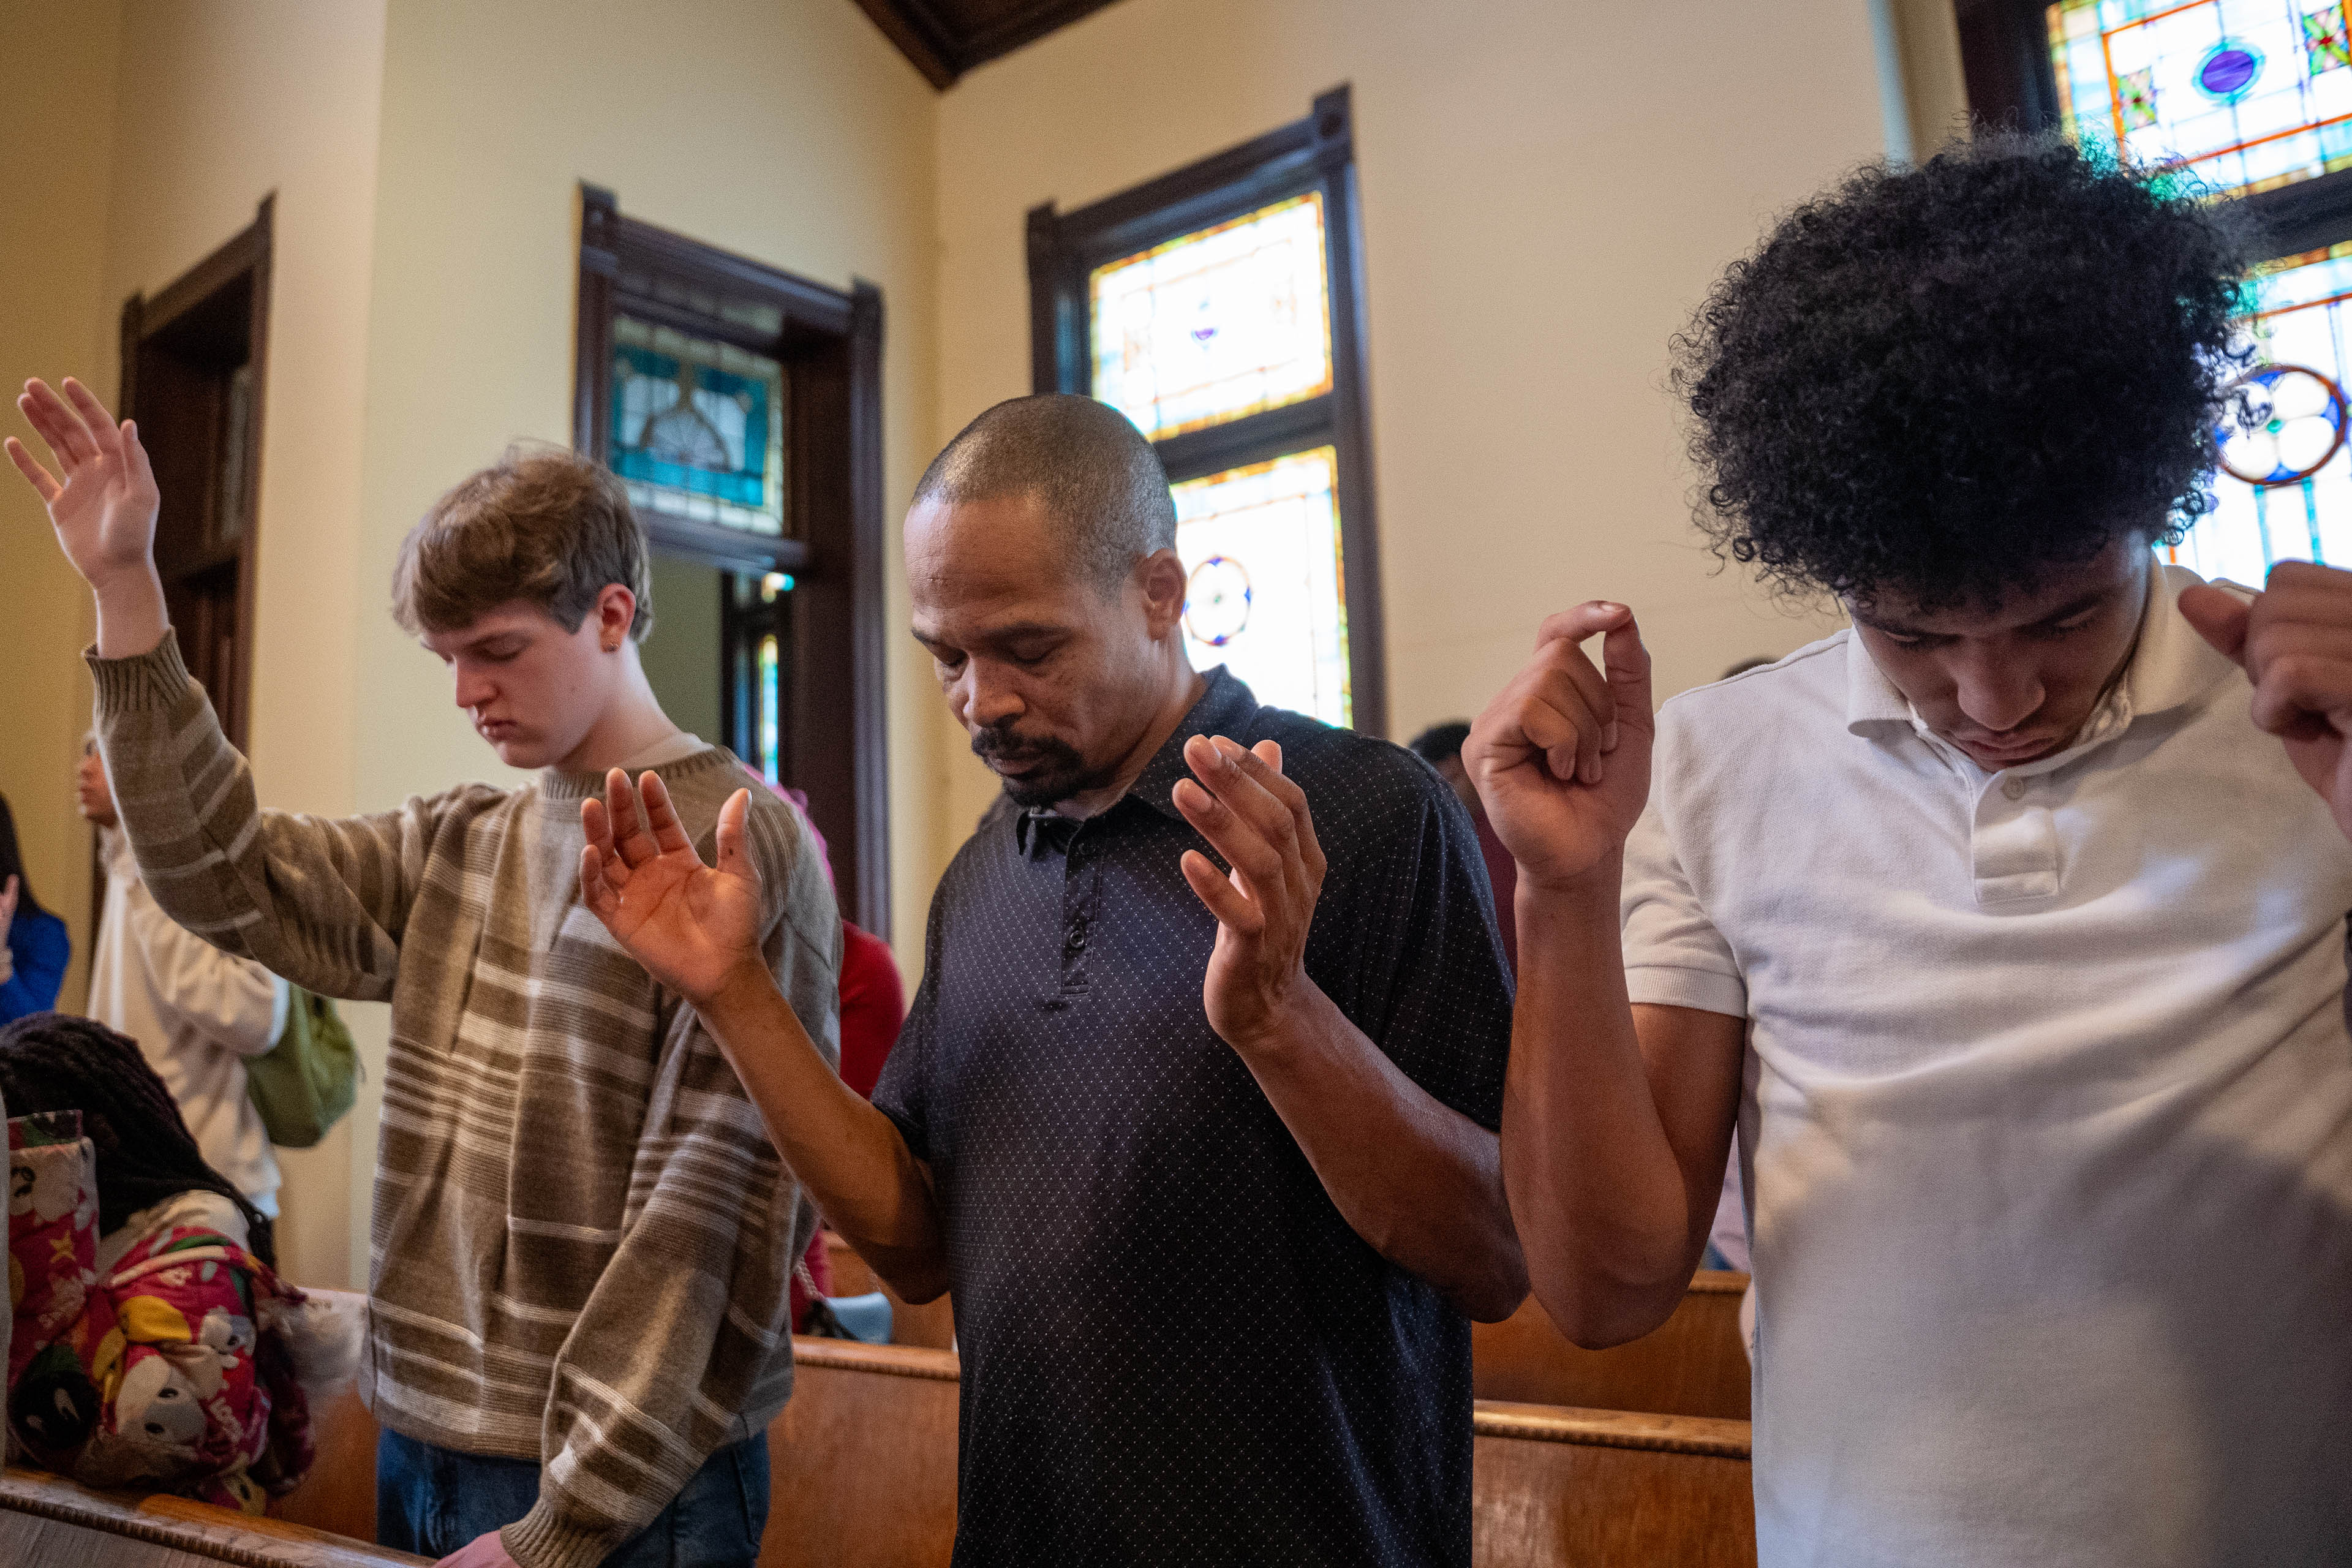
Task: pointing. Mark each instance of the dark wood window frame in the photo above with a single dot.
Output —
(1317, 154)
(830, 345)
(2012, 83)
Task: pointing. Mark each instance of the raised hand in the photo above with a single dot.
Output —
(693, 927)
(7, 907)
(1258, 821)
(2294, 643)
(104, 508)
(1562, 756)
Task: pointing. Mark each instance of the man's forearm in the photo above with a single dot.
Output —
(850, 1157)
(1420, 1182)
(1594, 1184)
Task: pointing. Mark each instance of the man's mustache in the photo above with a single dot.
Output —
(994, 743)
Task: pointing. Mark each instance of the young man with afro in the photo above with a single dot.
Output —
(2006, 927)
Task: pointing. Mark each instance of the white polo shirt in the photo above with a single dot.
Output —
(2047, 1123)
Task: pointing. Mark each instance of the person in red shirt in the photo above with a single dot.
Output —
(873, 1006)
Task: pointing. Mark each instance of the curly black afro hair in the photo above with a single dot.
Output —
(1941, 380)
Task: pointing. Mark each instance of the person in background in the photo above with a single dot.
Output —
(34, 946)
(1440, 746)
(873, 1008)
(153, 1346)
(196, 1012)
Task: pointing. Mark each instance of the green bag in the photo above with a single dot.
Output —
(305, 1083)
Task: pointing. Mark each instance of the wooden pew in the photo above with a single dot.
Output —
(865, 1467)
(55, 1523)
(862, 1460)
(1695, 1365)
(1559, 1488)
(931, 1325)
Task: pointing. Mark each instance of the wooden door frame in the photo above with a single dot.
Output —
(830, 344)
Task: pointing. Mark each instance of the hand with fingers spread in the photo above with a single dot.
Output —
(1257, 819)
(104, 506)
(694, 927)
(2294, 643)
(1562, 756)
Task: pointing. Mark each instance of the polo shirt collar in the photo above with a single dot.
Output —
(2171, 667)
(1226, 708)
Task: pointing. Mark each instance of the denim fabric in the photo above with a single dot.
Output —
(432, 1501)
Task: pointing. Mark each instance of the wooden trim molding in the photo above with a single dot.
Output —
(1316, 154)
(1614, 1430)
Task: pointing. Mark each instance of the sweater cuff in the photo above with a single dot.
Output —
(155, 678)
(540, 1540)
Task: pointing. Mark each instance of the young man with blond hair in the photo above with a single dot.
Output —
(582, 1242)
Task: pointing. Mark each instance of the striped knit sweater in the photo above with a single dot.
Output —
(583, 1242)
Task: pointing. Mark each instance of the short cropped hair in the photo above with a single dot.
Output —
(541, 524)
(1942, 381)
(1440, 742)
(1091, 468)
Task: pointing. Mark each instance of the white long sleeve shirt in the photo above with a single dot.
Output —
(2047, 1122)
(197, 1013)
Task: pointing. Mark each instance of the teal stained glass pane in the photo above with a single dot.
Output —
(1265, 588)
(2244, 94)
(1219, 323)
(2298, 326)
(697, 427)
(768, 733)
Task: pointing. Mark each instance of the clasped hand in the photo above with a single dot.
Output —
(1256, 988)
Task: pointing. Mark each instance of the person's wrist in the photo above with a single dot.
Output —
(131, 617)
(1291, 1018)
(1602, 880)
(747, 985)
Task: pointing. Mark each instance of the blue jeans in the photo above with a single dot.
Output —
(432, 1501)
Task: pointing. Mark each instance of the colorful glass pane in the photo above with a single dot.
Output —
(697, 427)
(2245, 94)
(1226, 321)
(2298, 325)
(1265, 591)
(766, 730)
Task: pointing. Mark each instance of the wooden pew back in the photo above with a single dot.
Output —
(1695, 1365)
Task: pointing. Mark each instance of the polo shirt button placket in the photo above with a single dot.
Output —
(2013, 787)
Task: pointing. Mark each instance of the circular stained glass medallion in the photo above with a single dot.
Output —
(2291, 421)
(1217, 601)
(2229, 71)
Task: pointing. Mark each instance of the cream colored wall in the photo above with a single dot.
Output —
(57, 67)
(786, 130)
(1549, 188)
(220, 105)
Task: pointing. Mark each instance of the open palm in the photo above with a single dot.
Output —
(104, 508)
(691, 925)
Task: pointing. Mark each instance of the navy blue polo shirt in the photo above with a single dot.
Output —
(1174, 1348)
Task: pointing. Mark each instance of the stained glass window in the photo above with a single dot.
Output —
(1265, 592)
(2247, 94)
(2285, 486)
(697, 427)
(1219, 323)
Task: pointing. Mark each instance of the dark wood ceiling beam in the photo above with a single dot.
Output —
(945, 38)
